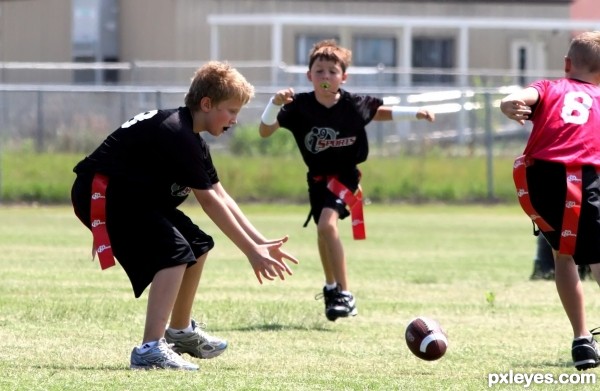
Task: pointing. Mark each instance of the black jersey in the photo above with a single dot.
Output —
(331, 140)
(156, 153)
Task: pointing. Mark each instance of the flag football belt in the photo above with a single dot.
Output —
(101, 244)
(570, 222)
(353, 200)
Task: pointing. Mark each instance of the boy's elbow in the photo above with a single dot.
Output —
(265, 131)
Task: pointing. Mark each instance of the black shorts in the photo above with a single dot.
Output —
(144, 238)
(321, 197)
(547, 190)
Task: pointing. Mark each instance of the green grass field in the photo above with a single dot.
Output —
(67, 325)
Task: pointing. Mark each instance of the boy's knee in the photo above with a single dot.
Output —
(326, 229)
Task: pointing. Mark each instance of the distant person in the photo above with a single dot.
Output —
(557, 176)
(128, 192)
(543, 263)
(328, 125)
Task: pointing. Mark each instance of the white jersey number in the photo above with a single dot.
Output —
(576, 109)
(139, 117)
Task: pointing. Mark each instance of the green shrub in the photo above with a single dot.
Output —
(246, 141)
(47, 177)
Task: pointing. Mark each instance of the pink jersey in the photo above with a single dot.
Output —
(566, 123)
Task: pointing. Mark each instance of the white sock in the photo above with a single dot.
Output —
(146, 346)
(330, 287)
(188, 329)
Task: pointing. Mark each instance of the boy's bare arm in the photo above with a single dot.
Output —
(259, 256)
(267, 130)
(239, 215)
(250, 229)
(268, 120)
(517, 106)
(217, 211)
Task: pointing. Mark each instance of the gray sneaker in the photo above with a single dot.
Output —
(196, 343)
(161, 356)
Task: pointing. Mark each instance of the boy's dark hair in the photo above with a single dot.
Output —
(329, 50)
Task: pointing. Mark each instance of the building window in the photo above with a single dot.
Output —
(379, 52)
(432, 53)
(528, 60)
(94, 38)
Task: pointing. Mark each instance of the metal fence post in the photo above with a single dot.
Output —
(489, 145)
(39, 139)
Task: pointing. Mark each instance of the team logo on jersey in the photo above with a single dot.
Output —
(320, 139)
(180, 191)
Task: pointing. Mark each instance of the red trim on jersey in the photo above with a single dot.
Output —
(101, 244)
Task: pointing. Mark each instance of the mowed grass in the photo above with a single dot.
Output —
(67, 325)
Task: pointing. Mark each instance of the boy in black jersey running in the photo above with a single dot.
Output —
(328, 125)
(128, 190)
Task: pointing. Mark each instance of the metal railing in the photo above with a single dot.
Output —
(70, 117)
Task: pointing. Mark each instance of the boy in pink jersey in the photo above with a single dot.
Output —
(557, 177)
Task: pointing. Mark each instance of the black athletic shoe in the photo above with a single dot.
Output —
(337, 304)
(540, 275)
(328, 295)
(585, 353)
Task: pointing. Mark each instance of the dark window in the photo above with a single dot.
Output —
(522, 65)
(433, 54)
(377, 52)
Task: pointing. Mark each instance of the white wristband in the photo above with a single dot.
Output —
(400, 113)
(269, 116)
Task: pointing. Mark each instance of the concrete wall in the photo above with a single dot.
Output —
(177, 30)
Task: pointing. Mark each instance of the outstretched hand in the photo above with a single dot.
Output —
(268, 261)
(277, 253)
(516, 110)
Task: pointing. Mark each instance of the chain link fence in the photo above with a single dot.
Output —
(75, 119)
(72, 118)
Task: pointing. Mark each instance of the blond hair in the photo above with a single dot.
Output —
(329, 50)
(584, 51)
(218, 81)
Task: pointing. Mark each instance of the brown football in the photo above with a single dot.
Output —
(426, 339)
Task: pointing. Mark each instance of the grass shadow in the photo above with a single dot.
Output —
(280, 327)
(67, 367)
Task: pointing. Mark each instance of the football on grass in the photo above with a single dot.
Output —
(426, 338)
